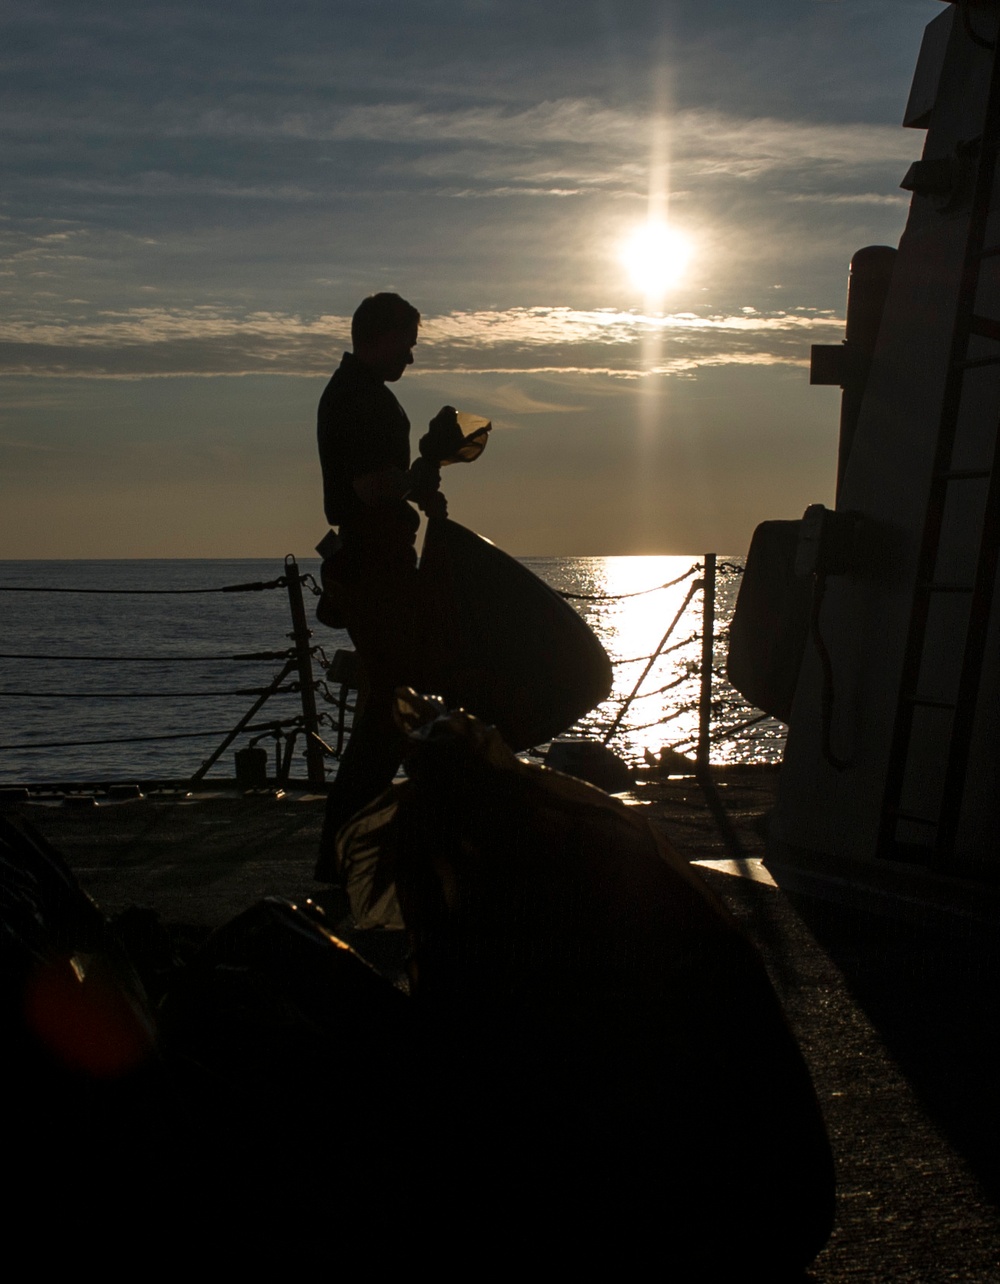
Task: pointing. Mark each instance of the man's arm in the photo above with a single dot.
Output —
(420, 484)
(387, 485)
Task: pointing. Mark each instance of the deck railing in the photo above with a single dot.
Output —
(320, 726)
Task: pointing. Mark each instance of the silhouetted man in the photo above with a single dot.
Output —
(369, 487)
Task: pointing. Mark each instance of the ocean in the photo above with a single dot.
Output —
(115, 687)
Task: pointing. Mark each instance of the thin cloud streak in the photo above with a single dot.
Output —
(484, 328)
(848, 198)
(709, 141)
(703, 142)
(569, 325)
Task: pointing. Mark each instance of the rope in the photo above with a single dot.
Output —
(719, 734)
(967, 24)
(332, 720)
(152, 659)
(670, 718)
(141, 695)
(620, 597)
(741, 726)
(645, 726)
(641, 659)
(687, 677)
(126, 740)
(256, 587)
(727, 731)
(826, 666)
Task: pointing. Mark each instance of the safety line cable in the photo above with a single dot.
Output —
(620, 597)
(256, 586)
(722, 733)
(142, 695)
(687, 677)
(172, 735)
(642, 676)
(641, 659)
(152, 659)
(646, 726)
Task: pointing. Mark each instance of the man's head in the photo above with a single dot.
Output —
(384, 333)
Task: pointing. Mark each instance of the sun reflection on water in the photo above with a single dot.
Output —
(665, 709)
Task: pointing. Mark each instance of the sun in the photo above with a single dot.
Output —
(655, 257)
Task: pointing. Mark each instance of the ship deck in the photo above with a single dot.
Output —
(894, 1011)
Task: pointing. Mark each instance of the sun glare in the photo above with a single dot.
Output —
(655, 257)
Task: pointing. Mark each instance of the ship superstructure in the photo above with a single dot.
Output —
(894, 735)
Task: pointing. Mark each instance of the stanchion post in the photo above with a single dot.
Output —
(703, 756)
(300, 635)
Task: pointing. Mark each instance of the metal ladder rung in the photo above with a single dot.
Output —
(975, 364)
(964, 474)
(931, 587)
(990, 252)
(985, 327)
(928, 704)
(915, 819)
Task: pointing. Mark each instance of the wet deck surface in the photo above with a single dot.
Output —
(896, 1016)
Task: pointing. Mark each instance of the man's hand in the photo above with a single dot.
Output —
(433, 505)
(443, 437)
(425, 478)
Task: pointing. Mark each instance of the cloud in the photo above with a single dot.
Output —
(856, 198)
(586, 136)
(712, 142)
(164, 185)
(510, 190)
(151, 326)
(704, 141)
(152, 342)
(509, 396)
(533, 327)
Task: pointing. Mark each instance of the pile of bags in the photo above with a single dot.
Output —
(590, 1064)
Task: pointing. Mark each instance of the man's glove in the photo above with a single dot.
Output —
(443, 438)
(424, 476)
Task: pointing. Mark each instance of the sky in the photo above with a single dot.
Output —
(196, 194)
